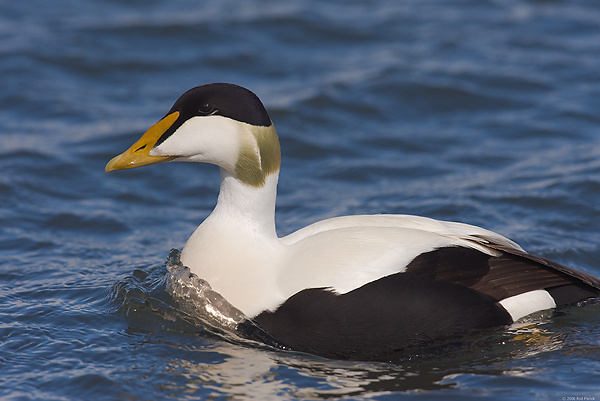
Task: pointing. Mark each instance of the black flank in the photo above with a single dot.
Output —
(393, 313)
(443, 293)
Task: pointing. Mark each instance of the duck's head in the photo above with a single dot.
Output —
(222, 124)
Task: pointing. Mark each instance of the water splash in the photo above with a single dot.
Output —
(196, 298)
(184, 303)
(210, 309)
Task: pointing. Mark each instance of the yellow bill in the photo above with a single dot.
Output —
(139, 153)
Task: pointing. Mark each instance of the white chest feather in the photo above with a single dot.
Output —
(237, 263)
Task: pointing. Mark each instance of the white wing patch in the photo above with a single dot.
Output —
(524, 304)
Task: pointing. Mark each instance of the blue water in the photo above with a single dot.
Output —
(485, 112)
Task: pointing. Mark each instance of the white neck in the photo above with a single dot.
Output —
(248, 205)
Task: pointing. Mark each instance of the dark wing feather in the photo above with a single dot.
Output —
(553, 266)
(511, 273)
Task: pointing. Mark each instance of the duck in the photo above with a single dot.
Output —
(349, 287)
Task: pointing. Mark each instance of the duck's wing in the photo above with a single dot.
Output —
(442, 293)
(451, 252)
(509, 274)
(452, 230)
(462, 279)
(515, 260)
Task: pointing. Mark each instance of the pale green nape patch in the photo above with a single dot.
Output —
(249, 168)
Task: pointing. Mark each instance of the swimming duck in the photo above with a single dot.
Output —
(353, 287)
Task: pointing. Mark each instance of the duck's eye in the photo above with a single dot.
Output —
(206, 109)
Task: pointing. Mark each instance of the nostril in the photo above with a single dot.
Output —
(140, 148)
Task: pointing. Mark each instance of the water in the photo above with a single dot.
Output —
(480, 112)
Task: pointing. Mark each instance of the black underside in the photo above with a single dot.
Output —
(443, 293)
(393, 313)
